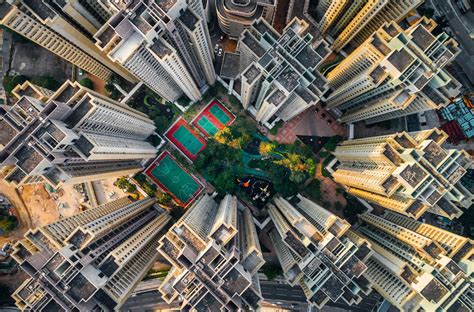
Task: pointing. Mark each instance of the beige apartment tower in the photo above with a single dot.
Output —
(394, 73)
(315, 252)
(71, 136)
(353, 21)
(417, 266)
(66, 30)
(90, 261)
(215, 253)
(409, 173)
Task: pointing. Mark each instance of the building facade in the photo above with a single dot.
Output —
(279, 73)
(394, 73)
(353, 21)
(75, 135)
(235, 16)
(417, 266)
(90, 261)
(215, 253)
(65, 28)
(315, 252)
(409, 173)
(166, 44)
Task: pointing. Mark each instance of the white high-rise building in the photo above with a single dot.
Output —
(72, 135)
(166, 44)
(316, 253)
(215, 253)
(279, 73)
(90, 261)
(65, 28)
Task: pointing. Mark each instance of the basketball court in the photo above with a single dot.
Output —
(185, 139)
(213, 118)
(171, 178)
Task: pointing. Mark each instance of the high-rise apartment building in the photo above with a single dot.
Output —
(215, 254)
(236, 16)
(417, 266)
(76, 135)
(279, 73)
(353, 21)
(394, 73)
(90, 261)
(65, 28)
(166, 44)
(315, 252)
(409, 173)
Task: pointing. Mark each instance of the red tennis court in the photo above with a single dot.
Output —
(185, 139)
(213, 118)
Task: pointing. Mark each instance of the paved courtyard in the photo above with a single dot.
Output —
(310, 123)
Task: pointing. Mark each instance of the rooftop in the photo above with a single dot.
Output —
(39, 8)
(251, 73)
(308, 57)
(230, 65)
(28, 158)
(289, 79)
(160, 49)
(4, 9)
(81, 288)
(84, 146)
(82, 109)
(434, 153)
(413, 174)
(401, 59)
(434, 291)
(165, 5)
(189, 19)
(253, 44)
(7, 132)
(277, 98)
(422, 37)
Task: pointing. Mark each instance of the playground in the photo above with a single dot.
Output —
(171, 178)
(185, 139)
(213, 118)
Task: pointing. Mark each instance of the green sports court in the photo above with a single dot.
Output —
(213, 118)
(185, 139)
(173, 179)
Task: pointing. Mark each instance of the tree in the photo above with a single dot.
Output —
(298, 176)
(121, 183)
(10, 82)
(267, 147)
(130, 188)
(271, 271)
(8, 223)
(164, 199)
(86, 82)
(47, 82)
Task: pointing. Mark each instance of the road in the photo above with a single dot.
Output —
(462, 28)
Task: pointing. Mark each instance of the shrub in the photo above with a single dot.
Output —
(271, 271)
(47, 82)
(86, 82)
(10, 82)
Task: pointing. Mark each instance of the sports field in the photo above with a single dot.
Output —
(213, 118)
(172, 178)
(185, 139)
